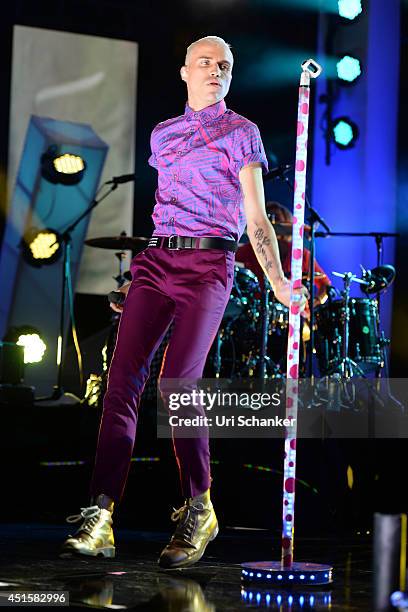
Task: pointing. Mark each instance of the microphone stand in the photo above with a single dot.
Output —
(66, 240)
(314, 218)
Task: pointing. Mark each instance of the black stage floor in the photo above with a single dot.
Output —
(133, 580)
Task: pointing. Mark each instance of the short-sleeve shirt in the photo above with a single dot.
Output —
(198, 157)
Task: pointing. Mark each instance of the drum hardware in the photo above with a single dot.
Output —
(379, 279)
(120, 278)
(347, 366)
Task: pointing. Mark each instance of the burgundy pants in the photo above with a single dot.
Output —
(191, 288)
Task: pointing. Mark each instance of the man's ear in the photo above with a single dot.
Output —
(183, 73)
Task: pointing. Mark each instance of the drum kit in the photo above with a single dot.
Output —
(252, 339)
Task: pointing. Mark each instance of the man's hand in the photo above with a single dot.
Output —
(281, 289)
(124, 289)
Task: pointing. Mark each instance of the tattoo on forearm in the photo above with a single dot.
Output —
(261, 242)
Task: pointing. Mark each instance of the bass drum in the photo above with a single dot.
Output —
(364, 337)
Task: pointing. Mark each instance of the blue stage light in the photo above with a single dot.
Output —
(344, 132)
(348, 68)
(350, 9)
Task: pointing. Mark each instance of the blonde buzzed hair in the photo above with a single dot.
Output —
(211, 39)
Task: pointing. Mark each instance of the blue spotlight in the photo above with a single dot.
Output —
(348, 69)
(344, 133)
(350, 9)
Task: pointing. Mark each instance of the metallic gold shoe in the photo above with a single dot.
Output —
(95, 535)
(197, 526)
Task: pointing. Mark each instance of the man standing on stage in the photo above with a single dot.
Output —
(209, 163)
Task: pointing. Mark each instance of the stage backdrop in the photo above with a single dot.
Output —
(90, 80)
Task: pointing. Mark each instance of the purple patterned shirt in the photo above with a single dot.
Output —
(198, 157)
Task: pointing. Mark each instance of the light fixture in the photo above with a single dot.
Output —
(41, 247)
(350, 9)
(348, 69)
(30, 339)
(344, 133)
(64, 168)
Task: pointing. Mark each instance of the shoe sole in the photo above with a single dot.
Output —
(107, 553)
(187, 562)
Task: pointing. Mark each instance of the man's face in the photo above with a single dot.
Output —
(207, 74)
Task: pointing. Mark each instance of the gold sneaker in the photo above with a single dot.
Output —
(197, 526)
(95, 535)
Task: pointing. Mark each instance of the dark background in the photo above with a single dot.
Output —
(163, 31)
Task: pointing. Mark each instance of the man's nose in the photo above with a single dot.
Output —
(216, 70)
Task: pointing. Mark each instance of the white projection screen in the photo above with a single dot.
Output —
(91, 80)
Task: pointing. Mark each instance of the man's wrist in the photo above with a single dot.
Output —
(278, 281)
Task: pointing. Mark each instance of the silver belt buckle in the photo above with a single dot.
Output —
(172, 248)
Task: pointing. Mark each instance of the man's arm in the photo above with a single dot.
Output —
(262, 235)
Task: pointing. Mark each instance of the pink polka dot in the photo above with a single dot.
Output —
(290, 357)
(303, 195)
(286, 543)
(293, 444)
(294, 220)
(300, 165)
(300, 128)
(297, 283)
(297, 253)
(286, 502)
(290, 485)
(291, 464)
(305, 108)
(294, 309)
(293, 371)
(306, 93)
(301, 231)
(288, 517)
(295, 346)
(291, 330)
(298, 206)
(289, 402)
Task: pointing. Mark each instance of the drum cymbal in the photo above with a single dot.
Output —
(119, 243)
(285, 229)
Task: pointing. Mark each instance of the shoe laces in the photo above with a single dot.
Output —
(89, 515)
(186, 515)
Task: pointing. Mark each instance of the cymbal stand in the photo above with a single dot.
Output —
(347, 366)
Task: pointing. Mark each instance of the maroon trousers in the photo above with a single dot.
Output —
(191, 288)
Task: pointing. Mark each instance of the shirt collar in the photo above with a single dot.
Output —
(206, 114)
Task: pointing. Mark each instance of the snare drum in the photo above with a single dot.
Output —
(364, 345)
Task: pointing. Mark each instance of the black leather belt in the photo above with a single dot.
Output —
(188, 242)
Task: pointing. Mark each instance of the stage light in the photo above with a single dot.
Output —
(66, 168)
(34, 347)
(30, 339)
(348, 69)
(344, 133)
(350, 9)
(41, 247)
